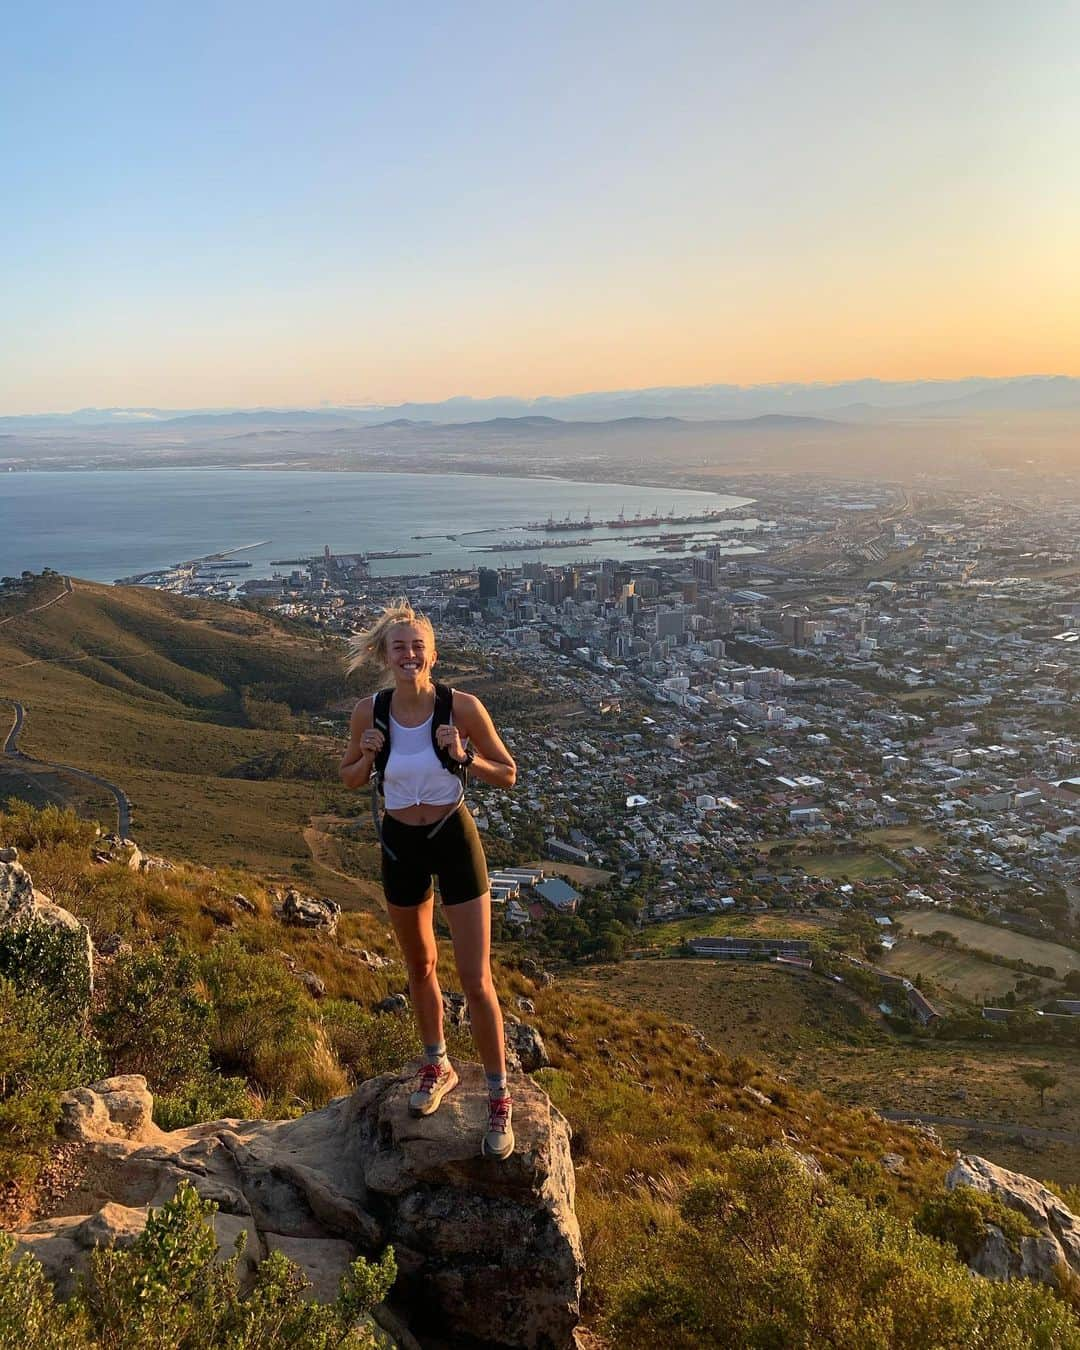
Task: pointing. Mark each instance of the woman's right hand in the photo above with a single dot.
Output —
(371, 741)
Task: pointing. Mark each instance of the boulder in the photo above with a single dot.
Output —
(455, 1009)
(525, 1005)
(534, 971)
(311, 982)
(525, 1045)
(393, 1003)
(22, 906)
(1037, 1258)
(489, 1254)
(112, 944)
(307, 912)
(113, 1108)
(370, 959)
(151, 864)
(242, 902)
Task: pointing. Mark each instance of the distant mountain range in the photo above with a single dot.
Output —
(849, 401)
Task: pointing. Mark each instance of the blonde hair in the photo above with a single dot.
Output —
(368, 648)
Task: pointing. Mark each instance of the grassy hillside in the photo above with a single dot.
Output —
(822, 1037)
(672, 1137)
(173, 700)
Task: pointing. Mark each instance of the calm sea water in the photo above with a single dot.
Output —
(105, 524)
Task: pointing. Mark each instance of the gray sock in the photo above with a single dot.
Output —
(496, 1083)
(435, 1054)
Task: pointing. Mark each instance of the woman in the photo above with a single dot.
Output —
(427, 829)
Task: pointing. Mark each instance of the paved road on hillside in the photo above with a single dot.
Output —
(11, 749)
(1035, 1132)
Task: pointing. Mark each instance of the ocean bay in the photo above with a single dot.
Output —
(105, 524)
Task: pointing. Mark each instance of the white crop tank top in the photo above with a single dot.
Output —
(413, 772)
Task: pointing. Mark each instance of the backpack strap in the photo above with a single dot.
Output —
(443, 717)
(380, 717)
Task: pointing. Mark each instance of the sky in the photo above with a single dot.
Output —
(241, 204)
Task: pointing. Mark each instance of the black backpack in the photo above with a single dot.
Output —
(443, 716)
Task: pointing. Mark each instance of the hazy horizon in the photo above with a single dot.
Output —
(897, 395)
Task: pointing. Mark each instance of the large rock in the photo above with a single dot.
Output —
(489, 1253)
(1037, 1258)
(23, 906)
(307, 912)
(525, 1047)
(114, 1108)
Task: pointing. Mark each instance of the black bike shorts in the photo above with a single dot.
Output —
(455, 855)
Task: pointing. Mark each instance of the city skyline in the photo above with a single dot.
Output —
(367, 208)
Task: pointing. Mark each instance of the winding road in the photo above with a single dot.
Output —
(11, 749)
(1035, 1132)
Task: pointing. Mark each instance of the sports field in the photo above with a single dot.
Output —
(984, 937)
(955, 970)
(740, 925)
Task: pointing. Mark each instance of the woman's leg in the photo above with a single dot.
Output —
(470, 927)
(414, 928)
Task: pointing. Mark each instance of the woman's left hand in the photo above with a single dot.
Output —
(450, 739)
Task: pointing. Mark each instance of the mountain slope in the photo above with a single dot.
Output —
(158, 694)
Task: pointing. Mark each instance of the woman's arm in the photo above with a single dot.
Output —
(358, 760)
(493, 764)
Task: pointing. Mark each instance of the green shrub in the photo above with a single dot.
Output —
(265, 1027)
(153, 1020)
(169, 1291)
(29, 1313)
(763, 1255)
(29, 827)
(959, 1218)
(49, 960)
(211, 1097)
(367, 1043)
(42, 1053)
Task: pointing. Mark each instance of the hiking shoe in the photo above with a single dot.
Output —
(498, 1141)
(436, 1080)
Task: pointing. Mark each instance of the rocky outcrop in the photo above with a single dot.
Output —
(370, 959)
(305, 911)
(22, 906)
(489, 1254)
(1037, 1258)
(525, 1047)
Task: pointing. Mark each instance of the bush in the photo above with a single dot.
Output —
(763, 1255)
(959, 1218)
(28, 827)
(211, 1097)
(169, 1291)
(265, 1027)
(367, 1043)
(153, 1020)
(49, 960)
(42, 1053)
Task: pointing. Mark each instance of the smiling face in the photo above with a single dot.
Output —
(410, 653)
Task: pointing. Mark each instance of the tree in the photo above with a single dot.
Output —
(1040, 1080)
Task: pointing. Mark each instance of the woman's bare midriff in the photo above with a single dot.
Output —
(423, 814)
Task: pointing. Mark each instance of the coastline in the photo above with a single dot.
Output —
(107, 523)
